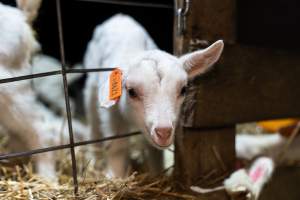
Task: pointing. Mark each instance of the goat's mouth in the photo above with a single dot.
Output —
(162, 143)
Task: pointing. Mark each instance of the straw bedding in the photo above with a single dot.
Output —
(21, 183)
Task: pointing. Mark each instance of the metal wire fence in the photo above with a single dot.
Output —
(64, 71)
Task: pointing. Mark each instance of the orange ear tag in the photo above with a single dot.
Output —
(115, 85)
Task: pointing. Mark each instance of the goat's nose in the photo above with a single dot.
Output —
(163, 132)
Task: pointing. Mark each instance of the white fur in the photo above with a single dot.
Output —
(30, 8)
(29, 123)
(249, 183)
(42, 86)
(156, 76)
(249, 147)
(243, 183)
(16, 38)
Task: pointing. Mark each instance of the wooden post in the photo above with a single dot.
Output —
(204, 157)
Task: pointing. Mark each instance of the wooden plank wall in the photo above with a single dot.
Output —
(247, 84)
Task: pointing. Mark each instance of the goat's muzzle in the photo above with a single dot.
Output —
(163, 136)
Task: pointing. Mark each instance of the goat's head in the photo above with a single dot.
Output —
(156, 85)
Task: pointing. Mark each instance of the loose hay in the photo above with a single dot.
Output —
(21, 183)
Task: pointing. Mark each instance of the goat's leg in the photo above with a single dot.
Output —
(46, 165)
(118, 158)
(91, 107)
(117, 151)
(104, 123)
(18, 124)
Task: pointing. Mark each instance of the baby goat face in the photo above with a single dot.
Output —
(156, 85)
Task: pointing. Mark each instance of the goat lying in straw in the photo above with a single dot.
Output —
(28, 123)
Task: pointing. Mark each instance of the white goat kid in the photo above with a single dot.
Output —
(29, 124)
(154, 87)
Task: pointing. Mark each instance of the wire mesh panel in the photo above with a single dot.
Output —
(63, 72)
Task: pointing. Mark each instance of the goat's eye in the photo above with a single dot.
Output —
(183, 91)
(132, 93)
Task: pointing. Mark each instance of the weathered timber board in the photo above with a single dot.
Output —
(247, 84)
(211, 20)
(204, 158)
(206, 20)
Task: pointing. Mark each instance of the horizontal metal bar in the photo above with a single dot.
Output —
(106, 139)
(30, 76)
(132, 3)
(52, 73)
(64, 146)
(68, 71)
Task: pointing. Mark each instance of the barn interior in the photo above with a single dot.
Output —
(268, 24)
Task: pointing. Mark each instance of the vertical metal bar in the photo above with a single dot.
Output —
(65, 82)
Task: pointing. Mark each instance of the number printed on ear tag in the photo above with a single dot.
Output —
(115, 84)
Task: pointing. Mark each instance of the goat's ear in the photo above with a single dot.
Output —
(30, 8)
(261, 170)
(198, 62)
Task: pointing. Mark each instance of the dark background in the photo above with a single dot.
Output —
(270, 23)
(81, 17)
